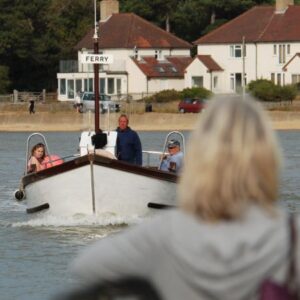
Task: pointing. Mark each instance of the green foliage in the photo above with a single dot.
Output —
(4, 81)
(35, 35)
(263, 89)
(266, 90)
(196, 92)
(297, 85)
(287, 93)
(163, 96)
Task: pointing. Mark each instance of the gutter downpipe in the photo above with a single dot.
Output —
(243, 68)
(255, 60)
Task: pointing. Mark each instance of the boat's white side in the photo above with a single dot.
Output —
(66, 193)
(122, 192)
(95, 189)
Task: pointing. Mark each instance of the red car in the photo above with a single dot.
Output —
(194, 105)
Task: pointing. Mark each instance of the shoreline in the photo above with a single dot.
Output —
(72, 121)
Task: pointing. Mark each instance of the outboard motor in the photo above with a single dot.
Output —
(19, 195)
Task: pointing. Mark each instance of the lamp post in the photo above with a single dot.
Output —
(96, 71)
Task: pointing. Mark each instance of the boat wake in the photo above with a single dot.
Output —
(45, 219)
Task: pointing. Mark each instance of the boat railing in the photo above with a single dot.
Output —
(168, 137)
(149, 156)
(28, 151)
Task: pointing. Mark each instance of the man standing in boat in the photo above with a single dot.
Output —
(129, 146)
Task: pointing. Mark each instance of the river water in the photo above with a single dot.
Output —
(35, 251)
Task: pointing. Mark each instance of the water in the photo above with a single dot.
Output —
(35, 251)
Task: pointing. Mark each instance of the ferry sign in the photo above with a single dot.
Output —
(96, 59)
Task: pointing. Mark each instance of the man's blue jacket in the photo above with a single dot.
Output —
(129, 146)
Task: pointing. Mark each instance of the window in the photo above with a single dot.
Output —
(215, 82)
(279, 79)
(119, 89)
(288, 49)
(275, 49)
(88, 85)
(197, 81)
(273, 77)
(136, 53)
(281, 54)
(70, 84)
(78, 84)
(173, 69)
(158, 54)
(160, 69)
(62, 86)
(102, 85)
(295, 78)
(236, 50)
(232, 85)
(110, 85)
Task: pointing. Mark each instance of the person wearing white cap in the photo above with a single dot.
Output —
(172, 162)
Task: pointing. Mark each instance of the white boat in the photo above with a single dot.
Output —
(90, 183)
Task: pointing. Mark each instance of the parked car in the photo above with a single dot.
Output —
(194, 105)
(105, 103)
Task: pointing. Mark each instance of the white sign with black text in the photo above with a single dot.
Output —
(96, 59)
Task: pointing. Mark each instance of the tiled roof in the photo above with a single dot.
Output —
(127, 30)
(259, 24)
(286, 65)
(209, 62)
(171, 67)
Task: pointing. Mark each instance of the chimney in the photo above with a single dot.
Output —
(107, 8)
(282, 5)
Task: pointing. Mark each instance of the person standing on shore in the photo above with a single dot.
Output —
(129, 147)
(31, 107)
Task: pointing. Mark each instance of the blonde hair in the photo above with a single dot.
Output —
(232, 160)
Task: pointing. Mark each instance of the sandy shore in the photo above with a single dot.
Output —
(72, 121)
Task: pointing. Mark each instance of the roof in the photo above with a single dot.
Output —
(286, 65)
(209, 63)
(259, 24)
(171, 67)
(127, 30)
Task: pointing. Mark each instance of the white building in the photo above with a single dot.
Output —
(271, 37)
(147, 59)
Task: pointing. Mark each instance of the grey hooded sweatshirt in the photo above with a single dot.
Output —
(186, 258)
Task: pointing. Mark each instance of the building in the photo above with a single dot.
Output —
(147, 59)
(270, 37)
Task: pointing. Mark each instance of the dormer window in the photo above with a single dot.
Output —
(160, 69)
(173, 69)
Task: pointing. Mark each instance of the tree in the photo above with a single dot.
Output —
(4, 79)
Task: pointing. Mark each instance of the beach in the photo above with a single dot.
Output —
(73, 121)
(63, 117)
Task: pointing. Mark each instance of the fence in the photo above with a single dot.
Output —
(19, 97)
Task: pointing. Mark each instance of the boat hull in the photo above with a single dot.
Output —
(93, 184)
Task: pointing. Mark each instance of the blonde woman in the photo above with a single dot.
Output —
(228, 235)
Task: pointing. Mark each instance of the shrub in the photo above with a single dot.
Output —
(163, 96)
(266, 90)
(298, 86)
(195, 92)
(287, 93)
